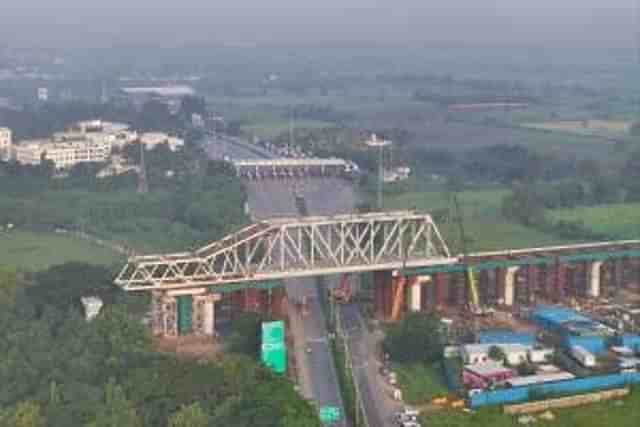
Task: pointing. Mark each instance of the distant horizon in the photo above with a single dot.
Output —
(409, 23)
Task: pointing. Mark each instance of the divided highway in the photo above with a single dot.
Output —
(317, 373)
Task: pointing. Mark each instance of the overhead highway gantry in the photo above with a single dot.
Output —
(293, 167)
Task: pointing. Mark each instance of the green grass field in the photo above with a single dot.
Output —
(420, 383)
(474, 203)
(624, 413)
(31, 251)
(273, 128)
(485, 228)
(618, 221)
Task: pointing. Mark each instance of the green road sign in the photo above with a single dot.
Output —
(274, 356)
(272, 332)
(330, 414)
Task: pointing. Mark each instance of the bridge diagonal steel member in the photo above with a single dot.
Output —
(281, 248)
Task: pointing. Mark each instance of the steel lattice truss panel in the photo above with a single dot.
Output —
(295, 247)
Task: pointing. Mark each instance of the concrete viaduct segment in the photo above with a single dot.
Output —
(411, 266)
(510, 279)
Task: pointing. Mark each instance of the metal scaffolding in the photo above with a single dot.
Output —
(296, 247)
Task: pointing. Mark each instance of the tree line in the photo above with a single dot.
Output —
(57, 369)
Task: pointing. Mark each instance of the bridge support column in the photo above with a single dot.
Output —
(415, 286)
(509, 285)
(251, 300)
(278, 302)
(533, 287)
(383, 294)
(594, 279)
(501, 277)
(440, 285)
(164, 314)
(560, 279)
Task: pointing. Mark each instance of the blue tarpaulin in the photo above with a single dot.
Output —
(505, 336)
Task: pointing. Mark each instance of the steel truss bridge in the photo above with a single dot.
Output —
(290, 168)
(282, 248)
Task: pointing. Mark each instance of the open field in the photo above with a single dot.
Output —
(420, 383)
(618, 221)
(619, 413)
(273, 128)
(474, 203)
(586, 127)
(32, 251)
(485, 228)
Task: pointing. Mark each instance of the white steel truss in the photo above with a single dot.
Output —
(281, 248)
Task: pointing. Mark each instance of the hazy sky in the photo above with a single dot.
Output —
(57, 23)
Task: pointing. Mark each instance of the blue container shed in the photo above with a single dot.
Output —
(505, 336)
(594, 344)
(629, 340)
(553, 317)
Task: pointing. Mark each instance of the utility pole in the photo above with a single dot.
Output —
(380, 177)
(374, 142)
(143, 186)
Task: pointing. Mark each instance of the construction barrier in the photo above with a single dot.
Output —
(539, 391)
(565, 402)
(453, 373)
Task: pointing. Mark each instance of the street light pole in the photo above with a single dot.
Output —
(380, 177)
(379, 143)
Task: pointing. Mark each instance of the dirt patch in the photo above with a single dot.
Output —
(189, 347)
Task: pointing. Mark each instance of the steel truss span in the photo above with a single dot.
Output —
(281, 248)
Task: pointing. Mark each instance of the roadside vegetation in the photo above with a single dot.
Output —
(60, 370)
(191, 201)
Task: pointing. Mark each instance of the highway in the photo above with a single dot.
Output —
(317, 373)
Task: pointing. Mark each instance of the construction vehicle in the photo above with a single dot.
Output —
(343, 293)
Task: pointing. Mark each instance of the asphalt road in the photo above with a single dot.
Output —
(318, 380)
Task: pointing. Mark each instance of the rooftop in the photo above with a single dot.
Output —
(487, 369)
(166, 91)
(541, 378)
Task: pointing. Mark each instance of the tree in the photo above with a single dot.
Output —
(116, 411)
(63, 285)
(497, 354)
(245, 337)
(417, 338)
(189, 416)
(8, 288)
(25, 414)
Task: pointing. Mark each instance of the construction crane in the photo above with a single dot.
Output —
(474, 300)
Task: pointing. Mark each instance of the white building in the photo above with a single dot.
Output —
(585, 357)
(473, 354)
(28, 153)
(64, 155)
(540, 355)
(515, 354)
(5, 143)
(83, 142)
(43, 94)
(151, 139)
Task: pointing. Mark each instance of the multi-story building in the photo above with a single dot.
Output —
(5, 143)
(29, 153)
(88, 141)
(64, 155)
